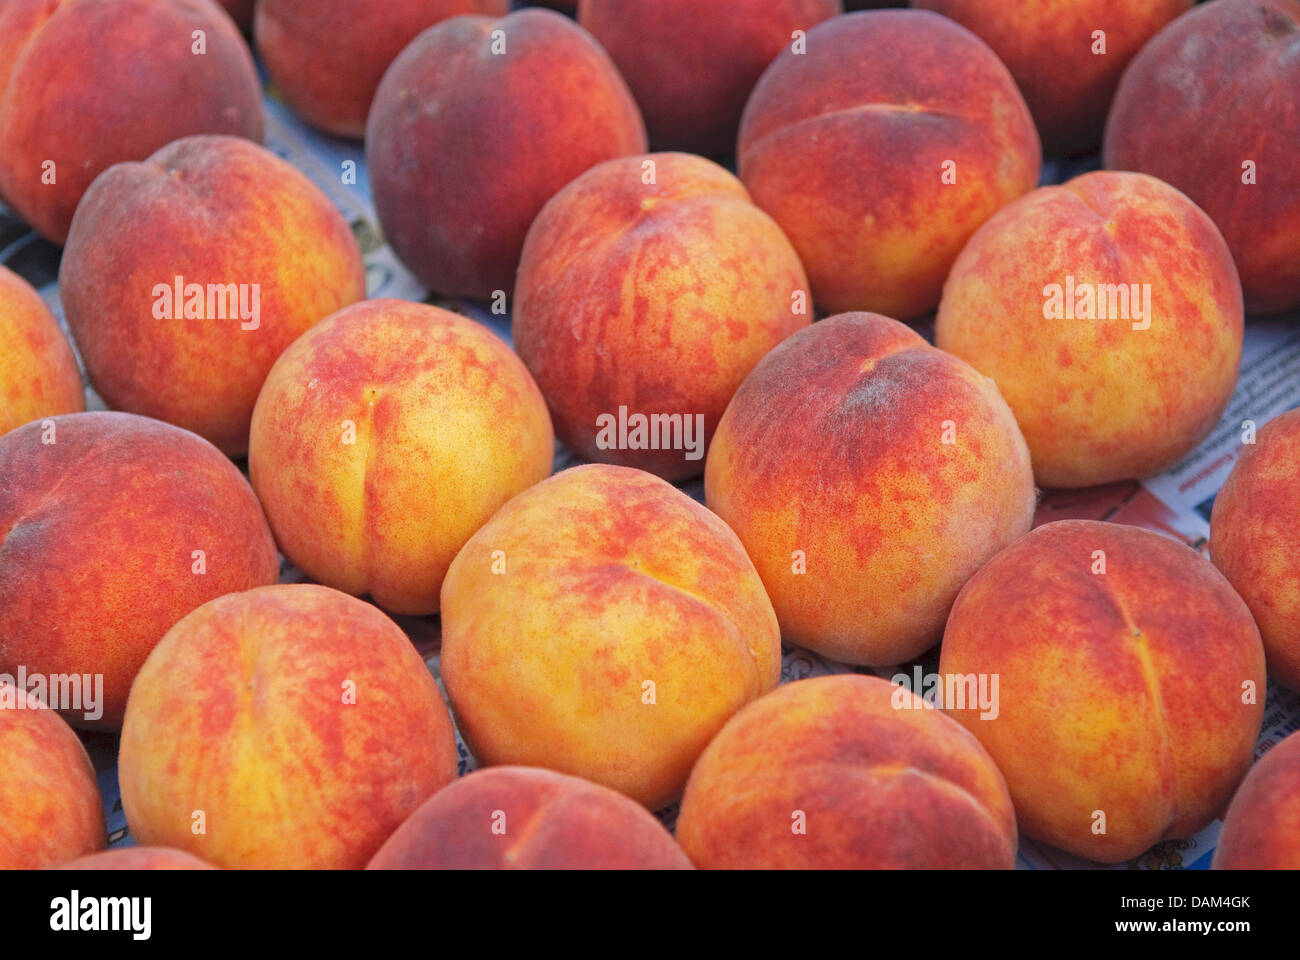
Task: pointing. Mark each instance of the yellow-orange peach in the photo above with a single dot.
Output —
(605, 625)
(137, 858)
(295, 725)
(1261, 830)
(643, 306)
(869, 475)
(112, 528)
(384, 437)
(846, 772)
(1130, 683)
(880, 148)
(38, 373)
(1108, 312)
(522, 818)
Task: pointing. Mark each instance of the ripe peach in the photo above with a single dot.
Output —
(652, 301)
(869, 475)
(1209, 106)
(384, 437)
(880, 149)
(1261, 830)
(49, 801)
(38, 372)
(137, 858)
(86, 84)
(476, 124)
(187, 275)
(1130, 684)
(522, 818)
(691, 64)
(846, 771)
(112, 528)
(1255, 540)
(287, 726)
(604, 624)
(1108, 312)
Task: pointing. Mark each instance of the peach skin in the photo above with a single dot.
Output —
(38, 372)
(137, 858)
(1261, 830)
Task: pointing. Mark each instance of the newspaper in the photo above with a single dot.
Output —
(1176, 503)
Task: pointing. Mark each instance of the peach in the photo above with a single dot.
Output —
(1209, 106)
(187, 275)
(38, 372)
(1261, 830)
(880, 149)
(1255, 540)
(476, 124)
(1108, 312)
(1067, 73)
(603, 624)
(49, 801)
(137, 858)
(327, 59)
(1130, 682)
(523, 818)
(846, 772)
(650, 303)
(868, 475)
(86, 84)
(112, 528)
(289, 726)
(691, 64)
(384, 437)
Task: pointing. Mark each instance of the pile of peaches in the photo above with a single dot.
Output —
(610, 646)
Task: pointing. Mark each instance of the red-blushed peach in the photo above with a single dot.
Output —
(1255, 539)
(85, 84)
(1130, 683)
(649, 303)
(112, 528)
(868, 475)
(1108, 312)
(692, 64)
(327, 59)
(1066, 72)
(880, 149)
(137, 858)
(1261, 830)
(187, 275)
(38, 372)
(521, 818)
(846, 772)
(605, 625)
(476, 124)
(384, 437)
(1209, 105)
(290, 726)
(49, 801)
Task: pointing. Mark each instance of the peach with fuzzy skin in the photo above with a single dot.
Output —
(451, 121)
(327, 59)
(1130, 684)
(384, 437)
(876, 779)
(1119, 397)
(1052, 51)
(85, 84)
(299, 720)
(1255, 539)
(213, 211)
(1261, 830)
(138, 858)
(880, 149)
(1209, 105)
(38, 372)
(49, 800)
(655, 297)
(526, 818)
(869, 475)
(112, 528)
(691, 64)
(605, 625)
